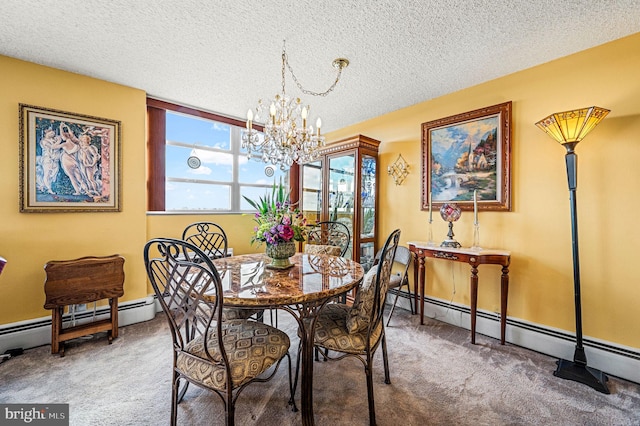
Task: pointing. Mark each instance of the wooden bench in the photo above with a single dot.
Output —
(80, 281)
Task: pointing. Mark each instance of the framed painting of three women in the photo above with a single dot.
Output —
(68, 162)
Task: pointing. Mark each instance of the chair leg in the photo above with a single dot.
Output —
(174, 399)
(385, 359)
(372, 406)
(230, 410)
(182, 391)
(295, 380)
(292, 386)
(324, 353)
(273, 312)
(396, 301)
(410, 299)
(394, 305)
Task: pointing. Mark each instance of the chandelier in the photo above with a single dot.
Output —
(287, 137)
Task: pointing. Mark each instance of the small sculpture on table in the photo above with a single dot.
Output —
(450, 212)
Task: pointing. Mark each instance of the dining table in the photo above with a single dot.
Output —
(302, 289)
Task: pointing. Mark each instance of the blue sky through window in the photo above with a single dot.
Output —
(217, 147)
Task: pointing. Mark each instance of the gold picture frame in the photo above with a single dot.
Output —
(468, 152)
(68, 162)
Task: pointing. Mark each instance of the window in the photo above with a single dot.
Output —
(197, 162)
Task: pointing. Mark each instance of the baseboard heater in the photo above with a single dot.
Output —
(37, 332)
(615, 360)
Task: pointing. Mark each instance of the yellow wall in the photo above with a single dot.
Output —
(238, 228)
(29, 240)
(537, 231)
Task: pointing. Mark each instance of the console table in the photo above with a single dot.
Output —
(422, 250)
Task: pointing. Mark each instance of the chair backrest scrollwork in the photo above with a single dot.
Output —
(181, 283)
(208, 237)
(330, 233)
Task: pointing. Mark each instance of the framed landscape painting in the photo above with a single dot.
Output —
(68, 162)
(465, 153)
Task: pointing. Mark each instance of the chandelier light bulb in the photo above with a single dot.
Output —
(304, 114)
(249, 119)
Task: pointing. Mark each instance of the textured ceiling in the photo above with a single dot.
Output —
(223, 55)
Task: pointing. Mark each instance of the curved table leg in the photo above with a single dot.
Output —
(504, 292)
(474, 301)
(305, 315)
(421, 293)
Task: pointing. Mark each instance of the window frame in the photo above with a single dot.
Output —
(156, 143)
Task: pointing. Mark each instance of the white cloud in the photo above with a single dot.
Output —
(202, 170)
(212, 157)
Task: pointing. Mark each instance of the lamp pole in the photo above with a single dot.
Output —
(577, 370)
(569, 128)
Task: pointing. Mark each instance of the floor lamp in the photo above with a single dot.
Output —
(569, 128)
(5, 356)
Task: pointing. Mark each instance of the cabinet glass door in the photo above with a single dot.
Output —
(311, 199)
(368, 210)
(368, 193)
(341, 193)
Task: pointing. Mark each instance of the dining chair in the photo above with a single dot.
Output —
(211, 239)
(357, 331)
(401, 260)
(330, 233)
(221, 356)
(208, 237)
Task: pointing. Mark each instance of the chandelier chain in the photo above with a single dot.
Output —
(285, 60)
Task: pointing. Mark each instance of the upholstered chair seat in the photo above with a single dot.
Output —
(331, 331)
(252, 347)
(322, 249)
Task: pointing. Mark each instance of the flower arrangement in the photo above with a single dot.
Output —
(277, 220)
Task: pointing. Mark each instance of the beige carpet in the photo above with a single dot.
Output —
(438, 378)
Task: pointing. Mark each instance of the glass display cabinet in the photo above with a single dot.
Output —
(341, 186)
